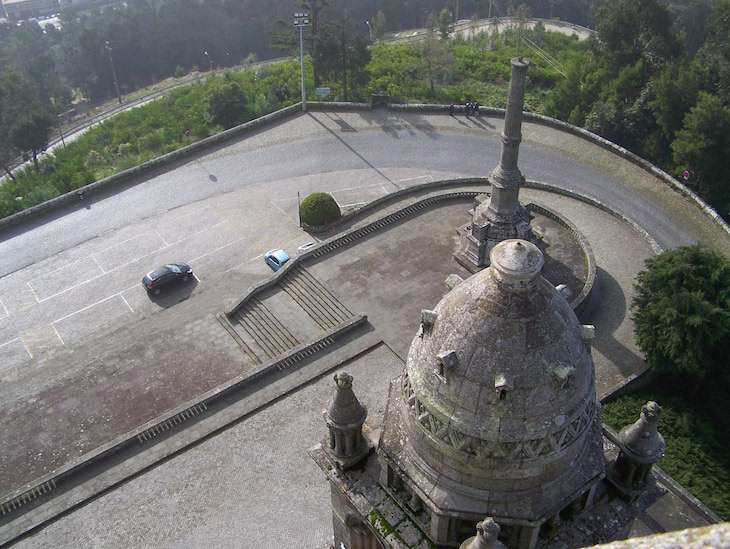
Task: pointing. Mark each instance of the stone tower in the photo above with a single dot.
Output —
(501, 216)
(495, 413)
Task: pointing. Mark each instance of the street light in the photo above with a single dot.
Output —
(371, 30)
(58, 122)
(301, 20)
(209, 60)
(114, 73)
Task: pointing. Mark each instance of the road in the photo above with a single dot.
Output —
(64, 275)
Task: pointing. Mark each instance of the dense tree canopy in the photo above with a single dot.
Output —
(682, 314)
(702, 147)
(634, 30)
(634, 84)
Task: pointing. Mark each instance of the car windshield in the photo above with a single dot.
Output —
(174, 268)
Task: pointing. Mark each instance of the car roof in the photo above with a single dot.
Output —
(278, 254)
(157, 273)
(165, 269)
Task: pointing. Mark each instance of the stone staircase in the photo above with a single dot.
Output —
(315, 299)
(289, 320)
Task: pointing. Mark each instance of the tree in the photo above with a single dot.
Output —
(681, 313)
(319, 209)
(32, 131)
(437, 59)
(715, 53)
(522, 17)
(27, 125)
(445, 23)
(226, 105)
(630, 30)
(675, 90)
(343, 54)
(316, 21)
(378, 24)
(702, 147)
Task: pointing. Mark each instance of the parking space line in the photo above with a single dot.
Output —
(93, 256)
(59, 335)
(71, 288)
(18, 339)
(126, 302)
(124, 265)
(40, 339)
(430, 177)
(265, 197)
(33, 291)
(89, 307)
(355, 188)
(7, 314)
(218, 249)
(10, 341)
(163, 240)
(258, 256)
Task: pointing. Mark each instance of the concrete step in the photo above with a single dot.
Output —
(314, 298)
(262, 331)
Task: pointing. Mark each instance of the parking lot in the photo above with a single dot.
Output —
(63, 299)
(66, 297)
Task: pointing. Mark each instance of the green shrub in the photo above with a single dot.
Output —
(319, 209)
(95, 161)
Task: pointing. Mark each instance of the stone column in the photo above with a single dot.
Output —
(501, 217)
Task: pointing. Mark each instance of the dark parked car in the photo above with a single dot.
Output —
(155, 280)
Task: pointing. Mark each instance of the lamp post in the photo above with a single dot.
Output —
(58, 121)
(370, 28)
(209, 60)
(301, 20)
(114, 73)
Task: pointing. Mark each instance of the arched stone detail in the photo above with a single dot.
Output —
(577, 422)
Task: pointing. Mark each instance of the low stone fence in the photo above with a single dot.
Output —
(377, 101)
(581, 300)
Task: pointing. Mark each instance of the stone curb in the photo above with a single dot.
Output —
(581, 300)
(350, 236)
(257, 123)
(27, 507)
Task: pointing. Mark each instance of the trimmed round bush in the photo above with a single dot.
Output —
(319, 209)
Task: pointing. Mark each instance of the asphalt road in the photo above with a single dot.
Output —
(467, 148)
(65, 274)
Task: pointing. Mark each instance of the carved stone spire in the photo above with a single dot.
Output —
(641, 446)
(345, 417)
(502, 217)
(486, 538)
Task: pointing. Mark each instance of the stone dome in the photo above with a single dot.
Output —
(498, 393)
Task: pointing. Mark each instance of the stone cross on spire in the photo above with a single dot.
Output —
(502, 217)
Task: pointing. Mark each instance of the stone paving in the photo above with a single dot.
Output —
(195, 496)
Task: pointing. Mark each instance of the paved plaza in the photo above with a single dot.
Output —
(112, 367)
